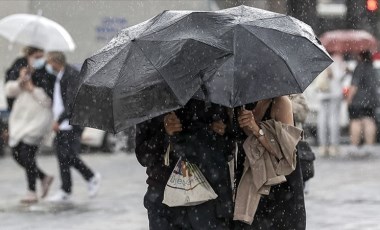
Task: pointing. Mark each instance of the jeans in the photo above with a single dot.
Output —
(25, 155)
(328, 122)
(68, 145)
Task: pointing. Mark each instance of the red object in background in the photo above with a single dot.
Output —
(348, 41)
(376, 56)
(372, 5)
(346, 91)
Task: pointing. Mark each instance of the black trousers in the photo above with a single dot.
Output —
(199, 217)
(68, 146)
(25, 155)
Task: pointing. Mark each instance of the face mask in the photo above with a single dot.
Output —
(50, 69)
(38, 63)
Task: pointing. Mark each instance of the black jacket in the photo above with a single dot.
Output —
(69, 83)
(196, 144)
(12, 74)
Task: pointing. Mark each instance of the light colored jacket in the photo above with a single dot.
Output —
(330, 82)
(31, 116)
(262, 169)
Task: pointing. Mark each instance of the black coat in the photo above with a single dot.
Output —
(12, 74)
(196, 144)
(69, 83)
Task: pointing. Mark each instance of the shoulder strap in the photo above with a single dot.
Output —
(267, 115)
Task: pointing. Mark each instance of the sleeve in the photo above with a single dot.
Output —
(150, 142)
(68, 103)
(41, 97)
(12, 89)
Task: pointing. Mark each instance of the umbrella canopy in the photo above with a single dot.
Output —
(274, 55)
(147, 70)
(236, 56)
(349, 41)
(36, 31)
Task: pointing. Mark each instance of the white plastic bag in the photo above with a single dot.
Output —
(187, 186)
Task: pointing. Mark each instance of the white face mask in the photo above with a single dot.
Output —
(38, 63)
(50, 69)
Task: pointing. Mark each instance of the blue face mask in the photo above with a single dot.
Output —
(38, 63)
(50, 69)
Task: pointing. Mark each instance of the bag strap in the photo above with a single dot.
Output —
(167, 154)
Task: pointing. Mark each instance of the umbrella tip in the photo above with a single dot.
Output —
(39, 12)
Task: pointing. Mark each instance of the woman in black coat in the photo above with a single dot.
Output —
(197, 134)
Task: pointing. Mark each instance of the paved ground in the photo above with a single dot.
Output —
(344, 195)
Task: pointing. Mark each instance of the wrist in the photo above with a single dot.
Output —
(255, 129)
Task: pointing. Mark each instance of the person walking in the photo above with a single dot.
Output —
(198, 134)
(68, 136)
(362, 101)
(31, 55)
(330, 92)
(30, 118)
(282, 206)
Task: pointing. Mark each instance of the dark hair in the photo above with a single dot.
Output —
(366, 56)
(30, 50)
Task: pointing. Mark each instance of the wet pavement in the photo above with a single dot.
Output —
(344, 195)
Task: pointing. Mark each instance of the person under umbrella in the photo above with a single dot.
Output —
(230, 57)
(283, 205)
(362, 102)
(68, 136)
(198, 133)
(31, 55)
(30, 119)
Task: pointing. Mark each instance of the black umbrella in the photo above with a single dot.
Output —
(274, 55)
(236, 56)
(147, 70)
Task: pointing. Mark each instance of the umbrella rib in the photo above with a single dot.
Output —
(287, 32)
(154, 67)
(180, 19)
(287, 65)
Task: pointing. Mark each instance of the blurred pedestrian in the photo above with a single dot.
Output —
(279, 201)
(34, 55)
(30, 118)
(330, 92)
(198, 135)
(362, 100)
(68, 136)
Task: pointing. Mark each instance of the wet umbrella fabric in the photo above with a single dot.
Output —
(236, 56)
(274, 55)
(145, 71)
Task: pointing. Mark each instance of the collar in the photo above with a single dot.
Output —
(60, 74)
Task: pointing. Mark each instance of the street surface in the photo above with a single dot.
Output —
(344, 195)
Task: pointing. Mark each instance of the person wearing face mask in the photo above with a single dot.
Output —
(68, 136)
(34, 58)
(31, 95)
